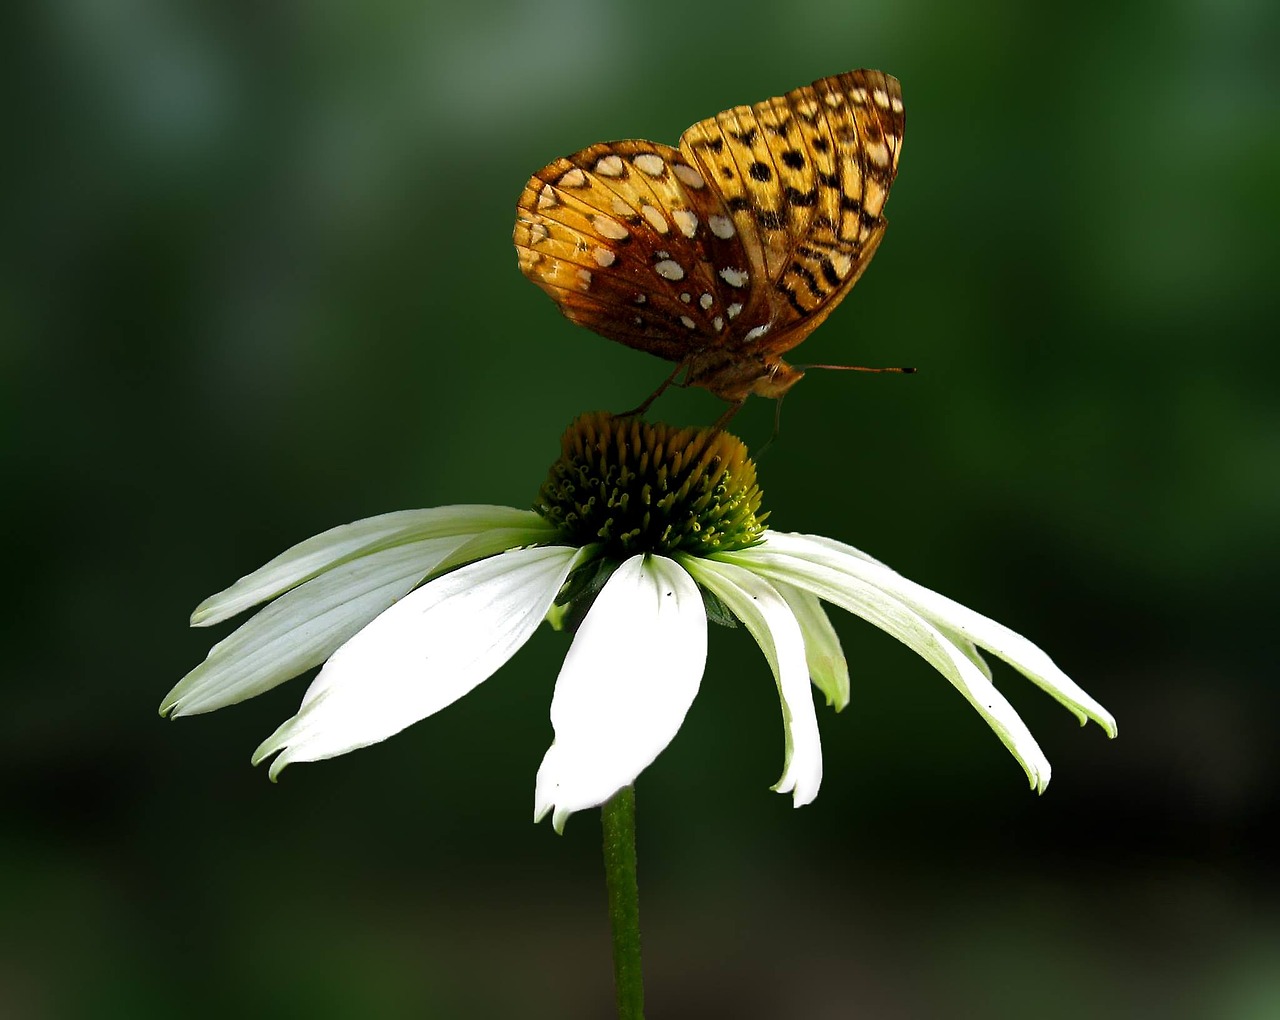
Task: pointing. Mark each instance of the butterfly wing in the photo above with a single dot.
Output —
(739, 242)
(805, 177)
(631, 242)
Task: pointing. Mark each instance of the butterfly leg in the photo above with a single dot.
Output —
(727, 417)
(644, 405)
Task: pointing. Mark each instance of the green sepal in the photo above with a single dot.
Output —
(579, 593)
(717, 611)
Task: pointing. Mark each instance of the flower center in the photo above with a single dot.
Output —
(640, 487)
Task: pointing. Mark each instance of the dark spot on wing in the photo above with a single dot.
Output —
(802, 198)
(791, 296)
(809, 279)
(770, 219)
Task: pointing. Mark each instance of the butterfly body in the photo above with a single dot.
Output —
(724, 253)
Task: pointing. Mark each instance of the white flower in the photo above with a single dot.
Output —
(396, 650)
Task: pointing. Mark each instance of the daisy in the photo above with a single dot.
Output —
(641, 534)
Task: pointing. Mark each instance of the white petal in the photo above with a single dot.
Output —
(630, 676)
(425, 652)
(986, 633)
(827, 666)
(307, 559)
(896, 618)
(305, 626)
(769, 618)
(954, 636)
(963, 643)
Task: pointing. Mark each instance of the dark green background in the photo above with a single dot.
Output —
(257, 280)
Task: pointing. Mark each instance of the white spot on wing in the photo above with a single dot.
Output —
(656, 220)
(584, 277)
(882, 98)
(706, 300)
(575, 178)
(687, 321)
(547, 197)
(759, 331)
(669, 269)
(650, 163)
(686, 221)
(734, 277)
(689, 176)
(718, 322)
(721, 226)
(604, 257)
(609, 166)
(608, 227)
(842, 264)
(734, 309)
(896, 104)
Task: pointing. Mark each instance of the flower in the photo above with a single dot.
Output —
(640, 534)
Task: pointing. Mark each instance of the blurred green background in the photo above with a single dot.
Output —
(257, 280)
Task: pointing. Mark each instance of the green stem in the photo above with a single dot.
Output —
(618, 820)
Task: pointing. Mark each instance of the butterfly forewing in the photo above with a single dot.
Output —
(742, 240)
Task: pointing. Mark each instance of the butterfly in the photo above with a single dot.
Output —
(724, 253)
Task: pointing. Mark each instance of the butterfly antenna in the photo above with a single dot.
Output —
(777, 407)
(858, 368)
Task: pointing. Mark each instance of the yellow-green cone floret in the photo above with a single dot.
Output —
(638, 487)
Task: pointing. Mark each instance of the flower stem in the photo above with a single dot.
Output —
(618, 820)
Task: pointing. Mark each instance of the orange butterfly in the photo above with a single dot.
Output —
(727, 252)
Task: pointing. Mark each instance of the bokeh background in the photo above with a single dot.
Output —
(257, 280)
